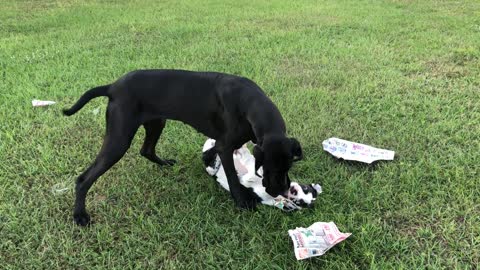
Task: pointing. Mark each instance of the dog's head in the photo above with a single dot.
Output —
(303, 195)
(276, 155)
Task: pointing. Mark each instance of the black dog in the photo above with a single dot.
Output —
(230, 109)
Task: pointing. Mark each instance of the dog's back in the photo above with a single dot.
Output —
(211, 102)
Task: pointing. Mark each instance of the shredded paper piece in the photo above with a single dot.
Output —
(41, 103)
(316, 239)
(60, 188)
(356, 151)
(96, 111)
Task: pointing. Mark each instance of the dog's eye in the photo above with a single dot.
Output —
(300, 203)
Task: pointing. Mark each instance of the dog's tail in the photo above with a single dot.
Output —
(86, 97)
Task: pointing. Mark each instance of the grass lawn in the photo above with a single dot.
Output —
(401, 75)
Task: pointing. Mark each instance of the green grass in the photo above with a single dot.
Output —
(401, 75)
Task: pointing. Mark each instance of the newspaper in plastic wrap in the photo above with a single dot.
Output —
(316, 239)
(356, 151)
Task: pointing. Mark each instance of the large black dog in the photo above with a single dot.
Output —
(230, 109)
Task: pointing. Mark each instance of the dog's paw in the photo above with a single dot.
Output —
(82, 219)
(247, 204)
(246, 199)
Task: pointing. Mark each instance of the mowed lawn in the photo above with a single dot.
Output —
(400, 75)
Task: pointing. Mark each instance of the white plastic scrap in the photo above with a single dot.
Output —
(356, 151)
(41, 103)
(60, 188)
(316, 239)
(96, 111)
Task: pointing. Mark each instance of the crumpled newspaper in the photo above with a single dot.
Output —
(356, 151)
(285, 204)
(41, 103)
(316, 239)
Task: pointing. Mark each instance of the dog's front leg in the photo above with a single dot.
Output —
(243, 197)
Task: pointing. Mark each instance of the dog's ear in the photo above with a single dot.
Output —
(296, 150)
(258, 154)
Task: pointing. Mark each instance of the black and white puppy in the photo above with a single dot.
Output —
(298, 195)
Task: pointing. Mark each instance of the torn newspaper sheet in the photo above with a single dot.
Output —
(356, 151)
(316, 239)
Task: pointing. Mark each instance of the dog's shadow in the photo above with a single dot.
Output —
(360, 165)
(316, 156)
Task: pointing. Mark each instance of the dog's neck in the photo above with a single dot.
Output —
(267, 136)
(263, 127)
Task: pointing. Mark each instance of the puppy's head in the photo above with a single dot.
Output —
(303, 195)
(276, 155)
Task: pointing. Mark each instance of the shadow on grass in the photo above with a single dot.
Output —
(360, 165)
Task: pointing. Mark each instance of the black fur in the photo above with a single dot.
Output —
(90, 94)
(230, 109)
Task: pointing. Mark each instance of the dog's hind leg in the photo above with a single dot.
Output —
(117, 140)
(153, 130)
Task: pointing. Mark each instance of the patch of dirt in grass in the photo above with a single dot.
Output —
(436, 69)
(463, 56)
(34, 6)
(425, 230)
(455, 65)
(301, 73)
(445, 69)
(300, 22)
